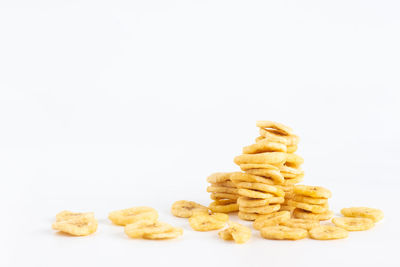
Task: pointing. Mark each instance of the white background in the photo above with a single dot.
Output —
(111, 104)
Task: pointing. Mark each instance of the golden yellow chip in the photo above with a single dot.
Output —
(308, 207)
(302, 214)
(353, 223)
(291, 149)
(78, 226)
(275, 175)
(219, 177)
(174, 233)
(261, 210)
(220, 196)
(273, 136)
(312, 191)
(254, 194)
(248, 216)
(140, 228)
(221, 189)
(287, 208)
(264, 145)
(265, 188)
(245, 167)
(224, 184)
(271, 219)
(283, 233)
(300, 223)
(239, 177)
(131, 215)
(293, 160)
(328, 232)
(363, 212)
(67, 215)
(293, 181)
(274, 158)
(237, 232)
(286, 130)
(251, 202)
(309, 200)
(223, 208)
(208, 222)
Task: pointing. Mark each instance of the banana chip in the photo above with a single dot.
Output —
(283, 233)
(237, 232)
(353, 224)
(271, 219)
(131, 215)
(201, 221)
(328, 232)
(363, 212)
(78, 226)
(185, 209)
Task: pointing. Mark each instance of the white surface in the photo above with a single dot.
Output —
(107, 105)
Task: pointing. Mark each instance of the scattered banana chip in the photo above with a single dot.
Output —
(78, 226)
(271, 219)
(302, 214)
(300, 223)
(131, 215)
(328, 232)
(308, 207)
(283, 233)
(201, 221)
(274, 158)
(251, 202)
(140, 228)
(268, 209)
(353, 224)
(363, 212)
(67, 215)
(237, 232)
(312, 191)
(174, 233)
(185, 209)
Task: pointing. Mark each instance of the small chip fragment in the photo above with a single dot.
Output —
(328, 232)
(131, 215)
(237, 232)
(283, 233)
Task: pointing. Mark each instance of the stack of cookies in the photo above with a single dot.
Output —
(310, 202)
(223, 192)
